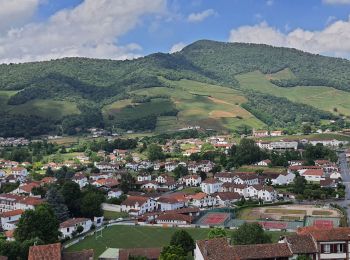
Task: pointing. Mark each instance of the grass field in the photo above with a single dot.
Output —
(324, 136)
(252, 168)
(131, 237)
(321, 213)
(114, 215)
(209, 106)
(286, 211)
(324, 98)
(53, 109)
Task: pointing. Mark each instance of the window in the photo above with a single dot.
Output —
(326, 249)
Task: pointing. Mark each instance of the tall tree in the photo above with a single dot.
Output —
(250, 233)
(154, 152)
(184, 240)
(127, 182)
(72, 197)
(40, 223)
(55, 199)
(173, 252)
(91, 204)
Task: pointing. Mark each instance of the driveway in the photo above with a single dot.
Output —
(345, 173)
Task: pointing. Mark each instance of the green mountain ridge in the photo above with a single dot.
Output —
(109, 90)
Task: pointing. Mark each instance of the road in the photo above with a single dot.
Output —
(345, 173)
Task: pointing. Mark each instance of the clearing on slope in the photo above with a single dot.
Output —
(321, 97)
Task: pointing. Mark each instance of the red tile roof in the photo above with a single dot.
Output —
(262, 251)
(332, 234)
(72, 222)
(175, 217)
(132, 200)
(45, 252)
(149, 253)
(12, 213)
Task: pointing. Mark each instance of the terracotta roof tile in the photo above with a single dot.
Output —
(45, 252)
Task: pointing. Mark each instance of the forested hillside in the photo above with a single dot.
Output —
(104, 93)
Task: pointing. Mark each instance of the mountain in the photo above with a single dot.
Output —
(216, 85)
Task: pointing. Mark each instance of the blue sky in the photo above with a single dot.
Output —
(118, 29)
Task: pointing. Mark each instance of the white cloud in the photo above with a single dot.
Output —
(91, 29)
(337, 2)
(177, 47)
(269, 2)
(199, 17)
(16, 12)
(332, 40)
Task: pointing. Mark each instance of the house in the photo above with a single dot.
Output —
(149, 185)
(328, 183)
(106, 167)
(70, 226)
(313, 175)
(266, 193)
(246, 178)
(276, 133)
(264, 163)
(192, 180)
(170, 166)
(163, 178)
(169, 203)
(211, 185)
(137, 205)
(108, 183)
(174, 219)
(233, 187)
(9, 202)
(225, 176)
(132, 166)
(283, 179)
(55, 252)
(202, 200)
(114, 193)
(19, 171)
(80, 179)
(335, 176)
(260, 133)
(278, 145)
(331, 142)
(9, 219)
(144, 176)
(227, 198)
(26, 188)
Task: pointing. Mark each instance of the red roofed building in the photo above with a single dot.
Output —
(45, 252)
(174, 219)
(69, 226)
(313, 175)
(9, 219)
(138, 205)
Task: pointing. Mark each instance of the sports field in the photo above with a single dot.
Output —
(136, 236)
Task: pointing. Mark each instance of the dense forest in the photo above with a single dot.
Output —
(93, 83)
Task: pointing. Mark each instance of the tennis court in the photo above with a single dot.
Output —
(214, 218)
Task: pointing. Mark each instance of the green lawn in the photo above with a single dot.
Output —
(131, 236)
(322, 97)
(114, 215)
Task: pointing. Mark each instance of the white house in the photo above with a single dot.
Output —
(248, 179)
(137, 205)
(174, 219)
(264, 163)
(335, 175)
(19, 171)
(71, 225)
(114, 193)
(168, 203)
(80, 179)
(150, 185)
(144, 177)
(211, 185)
(313, 175)
(283, 179)
(9, 219)
(170, 166)
(225, 176)
(192, 180)
(202, 200)
(227, 198)
(266, 193)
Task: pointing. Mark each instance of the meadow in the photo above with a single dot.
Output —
(321, 97)
(136, 236)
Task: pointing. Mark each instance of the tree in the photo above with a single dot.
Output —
(216, 233)
(180, 171)
(247, 152)
(55, 199)
(306, 129)
(172, 252)
(184, 240)
(72, 197)
(91, 204)
(304, 257)
(80, 229)
(299, 184)
(250, 233)
(154, 152)
(40, 223)
(127, 182)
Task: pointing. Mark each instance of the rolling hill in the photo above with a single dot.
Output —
(223, 86)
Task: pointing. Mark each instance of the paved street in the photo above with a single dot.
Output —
(345, 173)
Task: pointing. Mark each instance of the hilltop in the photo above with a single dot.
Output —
(224, 86)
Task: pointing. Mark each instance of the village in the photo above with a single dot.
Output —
(211, 181)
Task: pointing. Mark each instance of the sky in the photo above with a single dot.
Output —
(35, 30)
